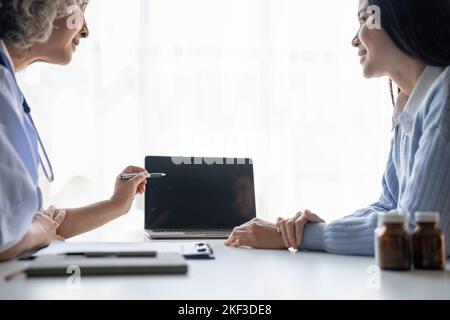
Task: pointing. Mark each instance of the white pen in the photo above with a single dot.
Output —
(149, 176)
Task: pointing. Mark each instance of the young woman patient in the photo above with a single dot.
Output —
(412, 48)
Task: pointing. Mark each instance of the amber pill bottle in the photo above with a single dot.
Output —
(428, 242)
(392, 242)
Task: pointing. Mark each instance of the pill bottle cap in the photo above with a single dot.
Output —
(391, 217)
(427, 217)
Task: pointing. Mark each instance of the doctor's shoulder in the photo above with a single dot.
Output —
(8, 89)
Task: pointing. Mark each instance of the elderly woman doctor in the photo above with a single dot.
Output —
(41, 31)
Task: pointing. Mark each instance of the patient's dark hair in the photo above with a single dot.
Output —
(419, 28)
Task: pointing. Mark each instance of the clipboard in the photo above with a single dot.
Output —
(189, 250)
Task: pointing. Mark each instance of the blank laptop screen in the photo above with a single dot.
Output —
(199, 193)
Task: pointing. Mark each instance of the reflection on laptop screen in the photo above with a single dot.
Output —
(199, 193)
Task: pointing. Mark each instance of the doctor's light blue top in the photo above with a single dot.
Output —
(417, 177)
(19, 161)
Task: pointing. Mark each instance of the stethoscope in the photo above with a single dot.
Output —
(43, 156)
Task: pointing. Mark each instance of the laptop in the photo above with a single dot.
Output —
(198, 198)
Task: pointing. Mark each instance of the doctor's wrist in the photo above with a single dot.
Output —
(119, 207)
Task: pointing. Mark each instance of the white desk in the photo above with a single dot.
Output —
(238, 274)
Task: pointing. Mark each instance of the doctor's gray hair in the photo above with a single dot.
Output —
(26, 22)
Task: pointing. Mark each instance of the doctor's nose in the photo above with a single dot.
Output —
(85, 30)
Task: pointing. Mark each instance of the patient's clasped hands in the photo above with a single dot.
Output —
(260, 234)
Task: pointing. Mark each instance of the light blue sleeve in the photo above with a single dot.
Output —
(18, 193)
(354, 234)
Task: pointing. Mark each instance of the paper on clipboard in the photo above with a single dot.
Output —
(190, 250)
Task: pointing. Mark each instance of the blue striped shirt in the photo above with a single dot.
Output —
(417, 177)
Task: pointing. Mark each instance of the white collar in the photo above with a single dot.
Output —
(426, 80)
(5, 51)
(408, 115)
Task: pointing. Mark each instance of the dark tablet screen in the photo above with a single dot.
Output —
(199, 193)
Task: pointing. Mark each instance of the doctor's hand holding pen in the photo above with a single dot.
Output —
(129, 183)
(84, 219)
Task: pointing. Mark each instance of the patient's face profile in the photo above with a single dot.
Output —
(67, 34)
(244, 196)
(378, 53)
